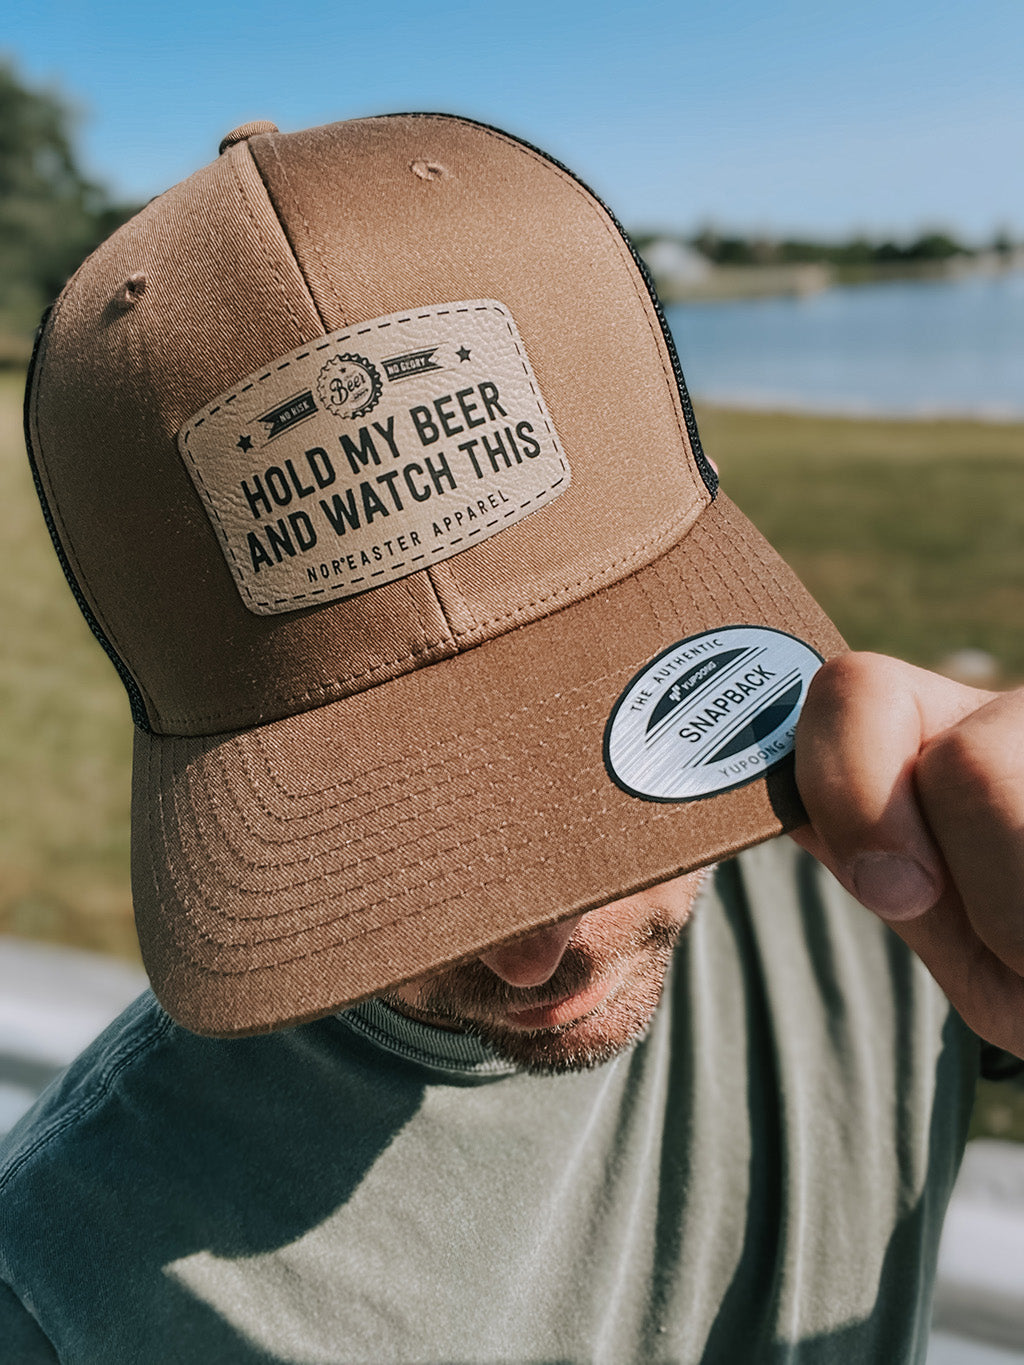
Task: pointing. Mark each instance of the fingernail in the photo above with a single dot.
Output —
(893, 886)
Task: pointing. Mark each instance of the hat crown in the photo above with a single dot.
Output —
(282, 240)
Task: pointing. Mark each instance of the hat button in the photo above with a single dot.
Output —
(246, 131)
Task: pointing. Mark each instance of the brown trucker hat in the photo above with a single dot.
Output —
(368, 457)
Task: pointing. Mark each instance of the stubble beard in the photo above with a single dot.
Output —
(472, 999)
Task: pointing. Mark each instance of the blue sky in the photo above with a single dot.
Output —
(798, 115)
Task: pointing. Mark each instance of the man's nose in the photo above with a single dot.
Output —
(530, 961)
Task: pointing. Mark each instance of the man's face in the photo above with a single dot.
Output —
(567, 997)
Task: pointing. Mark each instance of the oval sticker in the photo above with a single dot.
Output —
(714, 711)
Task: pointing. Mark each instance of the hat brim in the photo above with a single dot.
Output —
(285, 872)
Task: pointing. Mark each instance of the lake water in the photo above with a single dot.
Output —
(907, 348)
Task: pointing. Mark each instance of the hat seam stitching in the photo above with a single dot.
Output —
(649, 598)
(598, 210)
(246, 863)
(217, 780)
(711, 590)
(267, 249)
(214, 779)
(329, 690)
(728, 588)
(323, 322)
(755, 552)
(427, 643)
(402, 795)
(446, 567)
(272, 145)
(207, 936)
(707, 472)
(342, 310)
(66, 540)
(481, 736)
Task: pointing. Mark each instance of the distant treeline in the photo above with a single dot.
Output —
(733, 250)
(51, 215)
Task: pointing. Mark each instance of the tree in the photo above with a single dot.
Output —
(51, 215)
(934, 246)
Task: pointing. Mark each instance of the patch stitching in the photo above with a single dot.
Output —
(363, 580)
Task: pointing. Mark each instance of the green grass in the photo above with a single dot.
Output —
(65, 737)
(911, 534)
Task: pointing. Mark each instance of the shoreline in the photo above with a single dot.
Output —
(789, 406)
(781, 406)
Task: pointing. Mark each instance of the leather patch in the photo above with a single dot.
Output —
(374, 452)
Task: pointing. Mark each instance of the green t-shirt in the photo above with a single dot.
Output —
(761, 1179)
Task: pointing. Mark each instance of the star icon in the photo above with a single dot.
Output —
(462, 353)
(245, 443)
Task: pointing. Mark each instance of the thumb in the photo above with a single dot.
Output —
(858, 741)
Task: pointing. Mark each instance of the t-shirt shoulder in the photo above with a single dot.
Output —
(85, 1086)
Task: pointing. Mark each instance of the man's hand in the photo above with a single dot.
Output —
(914, 786)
